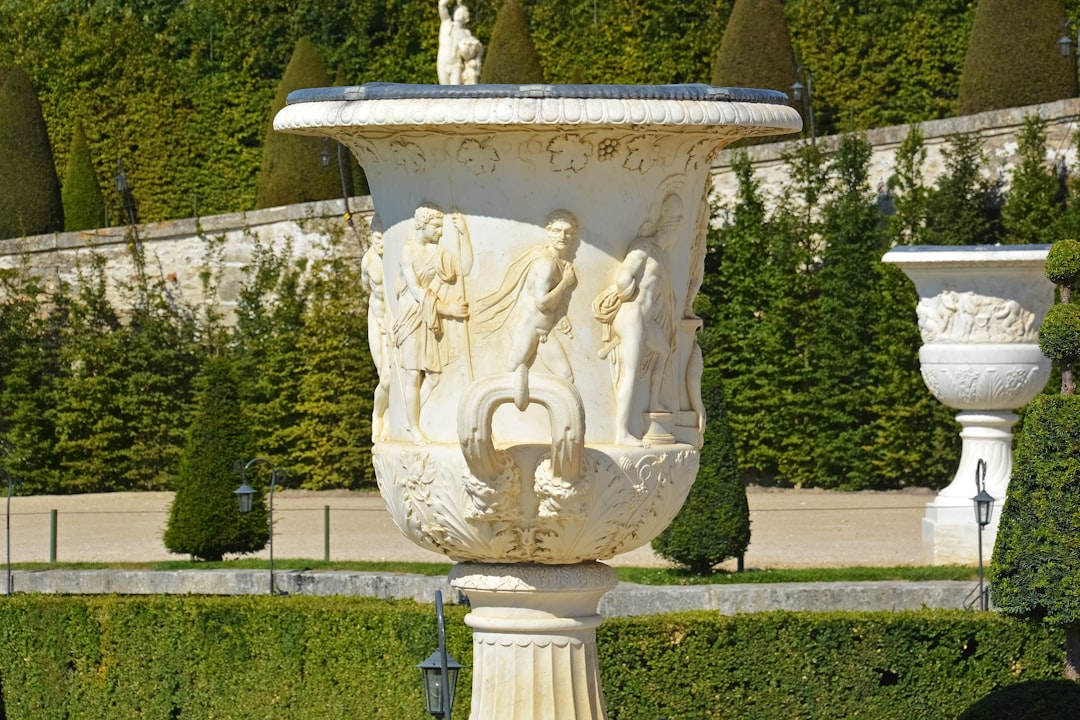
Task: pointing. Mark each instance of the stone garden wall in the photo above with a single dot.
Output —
(179, 250)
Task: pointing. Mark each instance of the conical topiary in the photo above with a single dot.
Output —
(29, 189)
(204, 519)
(84, 206)
(756, 51)
(511, 55)
(1013, 58)
(292, 165)
(1035, 571)
(714, 522)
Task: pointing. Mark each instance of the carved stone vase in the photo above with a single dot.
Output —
(535, 258)
(979, 313)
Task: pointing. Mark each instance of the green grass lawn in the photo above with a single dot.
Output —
(644, 576)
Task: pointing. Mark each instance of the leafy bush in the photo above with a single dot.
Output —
(1063, 263)
(1059, 336)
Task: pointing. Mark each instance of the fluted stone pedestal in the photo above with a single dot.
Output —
(534, 639)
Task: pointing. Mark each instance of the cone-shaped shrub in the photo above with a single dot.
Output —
(714, 522)
(204, 520)
(1035, 572)
(756, 52)
(84, 206)
(1013, 57)
(292, 169)
(29, 189)
(511, 56)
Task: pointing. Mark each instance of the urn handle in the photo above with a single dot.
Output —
(565, 410)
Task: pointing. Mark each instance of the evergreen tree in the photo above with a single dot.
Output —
(798, 220)
(1035, 569)
(1013, 58)
(714, 522)
(841, 350)
(743, 337)
(964, 207)
(84, 206)
(511, 56)
(29, 190)
(337, 382)
(204, 520)
(91, 441)
(915, 440)
(269, 321)
(292, 169)
(29, 338)
(160, 361)
(1034, 201)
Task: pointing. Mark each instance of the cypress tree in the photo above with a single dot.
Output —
(714, 522)
(29, 189)
(1034, 201)
(511, 56)
(204, 520)
(1012, 56)
(964, 207)
(1035, 569)
(292, 170)
(337, 382)
(841, 349)
(84, 206)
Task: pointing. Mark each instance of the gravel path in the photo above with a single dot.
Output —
(790, 528)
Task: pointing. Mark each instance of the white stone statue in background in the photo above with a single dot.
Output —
(638, 312)
(430, 288)
(460, 53)
(530, 304)
(371, 278)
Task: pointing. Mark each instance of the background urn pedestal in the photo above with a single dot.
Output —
(534, 639)
(979, 313)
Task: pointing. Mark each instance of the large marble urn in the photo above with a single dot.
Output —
(979, 314)
(539, 407)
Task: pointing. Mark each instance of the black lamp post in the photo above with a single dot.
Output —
(984, 509)
(124, 188)
(440, 672)
(797, 91)
(245, 495)
(10, 488)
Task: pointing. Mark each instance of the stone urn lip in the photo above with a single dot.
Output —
(407, 91)
(738, 112)
(951, 256)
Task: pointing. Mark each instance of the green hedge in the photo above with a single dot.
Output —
(330, 658)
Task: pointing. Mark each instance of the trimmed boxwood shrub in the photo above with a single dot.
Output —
(29, 188)
(338, 658)
(84, 205)
(1012, 56)
(511, 55)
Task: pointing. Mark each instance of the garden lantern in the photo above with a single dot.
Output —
(245, 496)
(984, 507)
(440, 672)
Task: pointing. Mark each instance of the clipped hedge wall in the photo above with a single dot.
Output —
(331, 658)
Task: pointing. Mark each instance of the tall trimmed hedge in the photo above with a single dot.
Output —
(1012, 56)
(29, 189)
(338, 658)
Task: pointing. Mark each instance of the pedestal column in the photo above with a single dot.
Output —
(534, 639)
